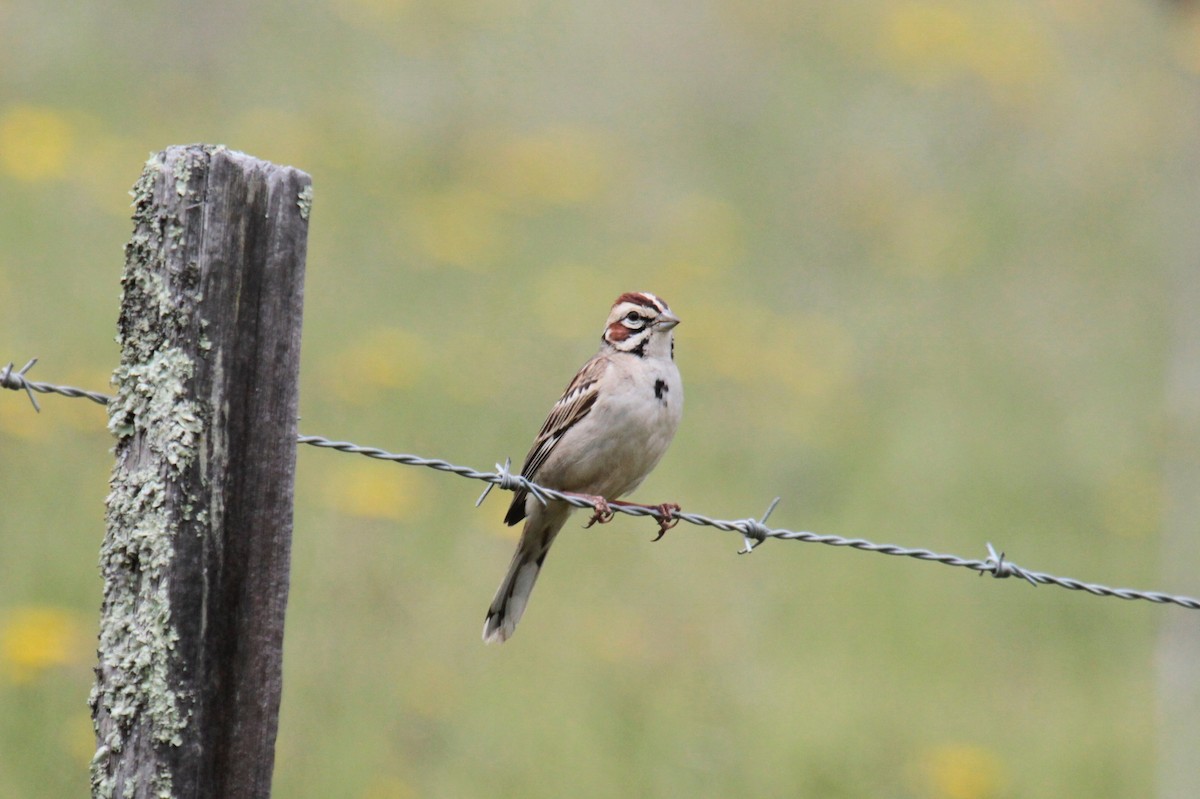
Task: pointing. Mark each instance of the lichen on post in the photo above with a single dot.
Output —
(195, 557)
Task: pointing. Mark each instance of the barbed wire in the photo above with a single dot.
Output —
(17, 381)
(753, 531)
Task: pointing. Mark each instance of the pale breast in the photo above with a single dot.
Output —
(611, 450)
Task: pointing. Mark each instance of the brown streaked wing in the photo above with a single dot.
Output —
(573, 405)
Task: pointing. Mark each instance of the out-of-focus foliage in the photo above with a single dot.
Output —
(922, 251)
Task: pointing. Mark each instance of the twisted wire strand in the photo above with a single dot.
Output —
(17, 381)
(753, 531)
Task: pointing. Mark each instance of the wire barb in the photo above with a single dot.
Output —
(756, 530)
(1001, 568)
(18, 381)
(753, 531)
(503, 479)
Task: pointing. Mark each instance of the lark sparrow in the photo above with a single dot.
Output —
(603, 436)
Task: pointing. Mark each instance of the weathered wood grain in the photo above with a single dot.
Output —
(196, 554)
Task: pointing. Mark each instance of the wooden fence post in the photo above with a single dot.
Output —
(196, 554)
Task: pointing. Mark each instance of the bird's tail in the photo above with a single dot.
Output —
(509, 604)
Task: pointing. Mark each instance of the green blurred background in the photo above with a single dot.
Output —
(925, 253)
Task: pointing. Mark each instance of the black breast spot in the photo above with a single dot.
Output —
(660, 388)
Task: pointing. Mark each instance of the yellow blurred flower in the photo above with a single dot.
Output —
(559, 166)
(374, 490)
(458, 226)
(961, 771)
(35, 143)
(937, 41)
(382, 360)
(807, 354)
(463, 224)
(928, 35)
(809, 357)
(34, 639)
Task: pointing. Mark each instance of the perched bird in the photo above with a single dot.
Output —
(603, 436)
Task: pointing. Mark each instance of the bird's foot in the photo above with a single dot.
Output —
(603, 512)
(665, 517)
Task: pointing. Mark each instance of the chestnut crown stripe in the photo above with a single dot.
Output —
(643, 298)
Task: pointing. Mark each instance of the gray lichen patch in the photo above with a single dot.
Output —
(304, 201)
(158, 428)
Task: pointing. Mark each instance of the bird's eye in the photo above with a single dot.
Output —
(633, 316)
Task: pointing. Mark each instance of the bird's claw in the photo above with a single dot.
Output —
(603, 513)
(667, 518)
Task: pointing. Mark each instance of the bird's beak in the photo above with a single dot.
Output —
(666, 320)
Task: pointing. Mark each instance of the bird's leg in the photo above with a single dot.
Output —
(603, 513)
(666, 514)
